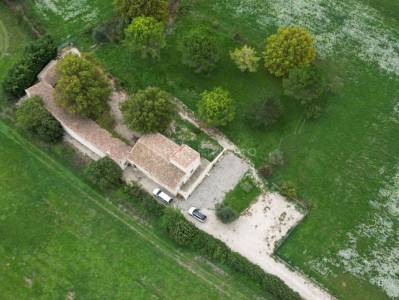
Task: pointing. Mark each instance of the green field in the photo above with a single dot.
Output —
(345, 165)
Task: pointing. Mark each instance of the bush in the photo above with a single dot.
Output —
(287, 189)
(82, 88)
(32, 116)
(304, 84)
(109, 31)
(147, 36)
(104, 173)
(143, 201)
(276, 158)
(265, 113)
(216, 107)
(246, 59)
(178, 228)
(291, 47)
(200, 51)
(149, 110)
(266, 170)
(226, 214)
(24, 72)
(130, 9)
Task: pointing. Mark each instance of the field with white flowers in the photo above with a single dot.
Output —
(345, 165)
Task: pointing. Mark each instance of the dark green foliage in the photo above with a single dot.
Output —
(305, 84)
(144, 202)
(23, 74)
(177, 227)
(149, 110)
(104, 173)
(130, 9)
(287, 189)
(82, 88)
(109, 31)
(265, 112)
(200, 50)
(32, 116)
(226, 214)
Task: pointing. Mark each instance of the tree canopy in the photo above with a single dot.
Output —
(216, 107)
(265, 112)
(31, 115)
(149, 110)
(146, 35)
(245, 58)
(291, 47)
(200, 50)
(82, 88)
(130, 9)
(105, 173)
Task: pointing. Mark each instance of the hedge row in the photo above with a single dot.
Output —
(187, 235)
(35, 57)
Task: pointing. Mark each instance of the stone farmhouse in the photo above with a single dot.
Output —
(175, 168)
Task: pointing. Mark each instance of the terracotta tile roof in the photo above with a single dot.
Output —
(87, 129)
(163, 159)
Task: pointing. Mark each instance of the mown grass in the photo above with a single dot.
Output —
(244, 193)
(335, 162)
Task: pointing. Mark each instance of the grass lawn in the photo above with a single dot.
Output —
(344, 164)
(59, 237)
(244, 193)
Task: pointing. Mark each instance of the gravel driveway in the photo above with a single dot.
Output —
(223, 178)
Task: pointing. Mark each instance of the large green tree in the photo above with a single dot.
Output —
(82, 88)
(130, 9)
(105, 173)
(149, 110)
(200, 50)
(291, 47)
(31, 115)
(216, 107)
(147, 36)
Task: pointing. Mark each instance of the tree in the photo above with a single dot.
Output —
(199, 50)
(31, 115)
(216, 107)
(23, 74)
(104, 173)
(226, 214)
(149, 110)
(178, 228)
(245, 58)
(304, 84)
(265, 112)
(291, 47)
(146, 35)
(81, 88)
(130, 9)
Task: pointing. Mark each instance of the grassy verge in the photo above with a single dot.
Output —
(245, 192)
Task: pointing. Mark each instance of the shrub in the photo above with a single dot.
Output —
(200, 50)
(149, 110)
(246, 59)
(313, 109)
(32, 116)
(178, 228)
(24, 72)
(287, 189)
(290, 48)
(276, 158)
(216, 107)
(104, 173)
(266, 170)
(265, 112)
(130, 9)
(147, 36)
(225, 213)
(82, 88)
(304, 84)
(109, 31)
(143, 201)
